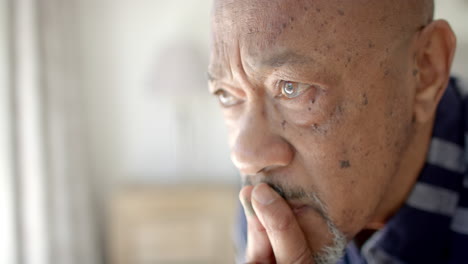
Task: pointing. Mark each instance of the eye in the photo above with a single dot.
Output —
(293, 89)
(226, 99)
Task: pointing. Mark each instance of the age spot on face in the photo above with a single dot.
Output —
(283, 124)
(345, 164)
(365, 101)
(318, 129)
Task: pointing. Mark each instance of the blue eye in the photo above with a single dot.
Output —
(293, 89)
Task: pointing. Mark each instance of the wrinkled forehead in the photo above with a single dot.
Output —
(260, 20)
(258, 28)
(256, 33)
(328, 31)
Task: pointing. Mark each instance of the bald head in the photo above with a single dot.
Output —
(264, 24)
(388, 14)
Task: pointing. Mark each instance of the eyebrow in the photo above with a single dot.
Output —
(278, 60)
(210, 77)
(287, 57)
(214, 72)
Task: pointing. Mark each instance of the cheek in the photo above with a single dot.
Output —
(310, 110)
(348, 167)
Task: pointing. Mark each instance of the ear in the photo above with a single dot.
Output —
(435, 48)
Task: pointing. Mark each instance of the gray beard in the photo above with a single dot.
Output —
(333, 253)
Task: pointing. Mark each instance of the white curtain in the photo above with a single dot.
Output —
(46, 184)
(8, 242)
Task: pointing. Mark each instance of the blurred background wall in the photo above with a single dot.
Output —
(120, 123)
(150, 117)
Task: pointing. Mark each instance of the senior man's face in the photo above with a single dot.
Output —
(315, 97)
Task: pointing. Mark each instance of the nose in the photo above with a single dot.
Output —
(257, 148)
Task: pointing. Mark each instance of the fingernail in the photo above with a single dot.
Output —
(264, 194)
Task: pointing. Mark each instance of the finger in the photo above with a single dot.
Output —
(258, 245)
(286, 237)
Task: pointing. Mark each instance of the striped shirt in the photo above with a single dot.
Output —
(432, 225)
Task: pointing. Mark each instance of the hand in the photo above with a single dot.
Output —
(274, 235)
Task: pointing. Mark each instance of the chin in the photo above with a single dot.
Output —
(326, 241)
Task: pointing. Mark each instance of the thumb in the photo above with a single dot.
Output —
(286, 237)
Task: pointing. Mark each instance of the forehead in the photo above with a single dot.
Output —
(278, 31)
(261, 19)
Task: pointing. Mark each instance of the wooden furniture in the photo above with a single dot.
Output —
(172, 224)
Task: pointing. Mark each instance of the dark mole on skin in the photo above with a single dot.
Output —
(340, 109)
(365, 101)
(415, 72)
(318, 10)
(316, 128)
(340, 12)
(344, 164)
(283, 124)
